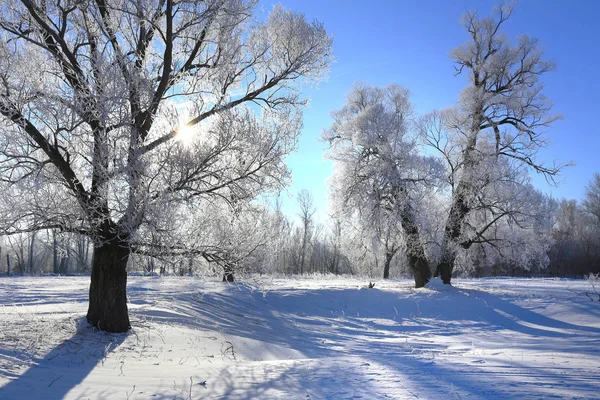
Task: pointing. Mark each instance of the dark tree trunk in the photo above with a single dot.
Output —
(444, 270)
(420, 269)
(108, 299)
(228, 273)
(452, 232)
(458, 212)
(388, 262)
(62, 267)
(22, 262)
(65, 268)
(7, 264)
(417, 262)
(151, 265)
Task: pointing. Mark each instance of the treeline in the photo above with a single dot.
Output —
(287, 246)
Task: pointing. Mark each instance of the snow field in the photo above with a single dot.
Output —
(303, 339)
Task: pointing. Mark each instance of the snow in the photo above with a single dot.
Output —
(320, 338)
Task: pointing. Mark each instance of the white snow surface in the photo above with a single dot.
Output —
(319, 338)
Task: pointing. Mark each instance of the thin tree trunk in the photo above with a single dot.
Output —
(303, 256)
(87, 253)
(108, 299)
(55, 267)
(68, 260)
(21, 260)
(31, 253)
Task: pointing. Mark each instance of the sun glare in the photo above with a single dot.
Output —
(185, 134)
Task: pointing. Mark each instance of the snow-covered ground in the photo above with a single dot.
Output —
(303, 339)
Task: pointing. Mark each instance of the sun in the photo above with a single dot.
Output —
(185, 134)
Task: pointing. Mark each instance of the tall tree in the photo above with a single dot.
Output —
(307, 211)
(94, 93)
(591, 203)
(379, 171)
(576, 247)
(503, 106)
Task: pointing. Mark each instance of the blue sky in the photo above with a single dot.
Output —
(407, 42)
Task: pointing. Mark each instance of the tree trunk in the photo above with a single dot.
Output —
(444, 269)
(55, 268)
(8, 264)
(108, 299)
(62, 266)
(417, 262)
(87, 254)
(460, 207)
(420, 270)
(67, 260)
(454, 225)
(228, 273)
(31, 253)
(453, 230)
(388, 261)
(20, 266)
(303, 256)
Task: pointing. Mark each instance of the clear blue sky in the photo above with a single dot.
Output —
(407, 42)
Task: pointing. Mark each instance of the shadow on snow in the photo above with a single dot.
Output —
(382, 327)
(64, 367)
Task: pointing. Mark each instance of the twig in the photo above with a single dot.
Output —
(54, 380)
(128, 393)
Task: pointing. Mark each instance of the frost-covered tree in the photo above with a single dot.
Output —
(307, 212)
(503, 108)
(379, 172)
(116, 113)
(278, 256)
(592, 197)
(576, 248)
(510, 223)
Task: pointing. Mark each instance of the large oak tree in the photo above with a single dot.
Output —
(502, 114)
(95, 96)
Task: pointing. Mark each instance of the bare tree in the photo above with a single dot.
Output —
(502, 109)
(307, 211)
(336, 245)
(115, 111)
(379, 170)
(576, 233)
(591, 203)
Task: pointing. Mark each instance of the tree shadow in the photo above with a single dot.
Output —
(373, 325)
(64, 367)
(309, 321)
